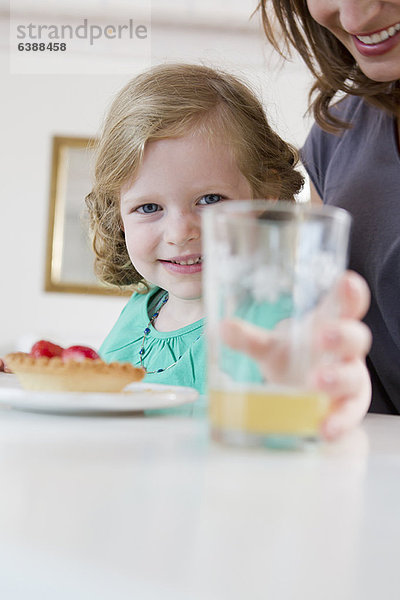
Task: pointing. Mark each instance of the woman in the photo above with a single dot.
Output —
(352, 152)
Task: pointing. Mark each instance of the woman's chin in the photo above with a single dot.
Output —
(384, 71)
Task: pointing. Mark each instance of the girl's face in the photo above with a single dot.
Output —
(161, 210)
(370, 30)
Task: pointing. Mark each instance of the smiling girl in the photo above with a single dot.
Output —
(177, 139)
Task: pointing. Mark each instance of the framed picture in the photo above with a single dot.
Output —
(69, 257)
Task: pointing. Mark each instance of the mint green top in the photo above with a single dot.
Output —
(161, 348)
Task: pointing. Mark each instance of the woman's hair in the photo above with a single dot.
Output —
(170, 101)
(333, 66)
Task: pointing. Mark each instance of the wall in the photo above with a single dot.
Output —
(36, 107)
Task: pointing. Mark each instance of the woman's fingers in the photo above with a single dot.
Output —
(341, 380)
(350, 414)
(247, 338)
(349, 388)
(346, 380)
(345, 338)
(353, 296)
(266, 347)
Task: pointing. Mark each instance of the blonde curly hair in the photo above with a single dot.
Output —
(169, 101)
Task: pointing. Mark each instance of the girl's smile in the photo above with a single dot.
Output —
(192, 263)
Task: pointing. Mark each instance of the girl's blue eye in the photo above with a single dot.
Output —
(210, 199)
(148, 209)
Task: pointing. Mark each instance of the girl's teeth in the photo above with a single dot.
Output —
(383, 35)
(190, 261)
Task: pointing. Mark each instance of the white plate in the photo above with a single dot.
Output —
(135, 397)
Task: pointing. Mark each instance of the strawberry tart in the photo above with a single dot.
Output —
(49, 367)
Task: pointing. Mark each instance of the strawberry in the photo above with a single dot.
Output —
(79, 353)
(45, 348)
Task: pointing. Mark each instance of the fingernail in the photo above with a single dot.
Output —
(352, 283)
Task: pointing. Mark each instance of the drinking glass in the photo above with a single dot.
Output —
(274, 265)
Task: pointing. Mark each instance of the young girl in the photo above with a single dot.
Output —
(177, 139)
(352, 153)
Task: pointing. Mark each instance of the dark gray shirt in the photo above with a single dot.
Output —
(359, 170)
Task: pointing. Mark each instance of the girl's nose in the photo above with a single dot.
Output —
(181, 228)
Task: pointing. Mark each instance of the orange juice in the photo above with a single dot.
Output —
(262, 411)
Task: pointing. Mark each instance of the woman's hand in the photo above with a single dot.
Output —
(347, 340)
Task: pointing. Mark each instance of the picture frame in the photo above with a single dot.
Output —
(69, 256)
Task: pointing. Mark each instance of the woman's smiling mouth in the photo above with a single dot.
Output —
(378, 42)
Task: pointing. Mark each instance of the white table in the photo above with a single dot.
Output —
(149, 508)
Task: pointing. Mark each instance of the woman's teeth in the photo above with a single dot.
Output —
(383, 35)
(190, 261)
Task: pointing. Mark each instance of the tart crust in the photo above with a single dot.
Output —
(53, 374)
